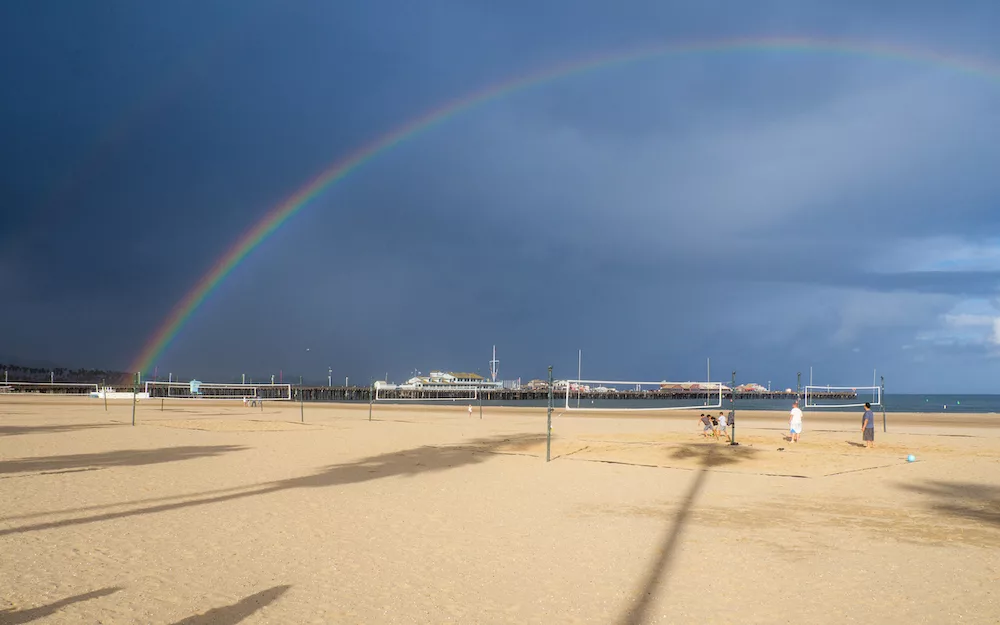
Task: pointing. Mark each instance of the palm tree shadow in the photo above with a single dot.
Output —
(232, 614)
(18, 430)
(709, 456)
(120, 458)
(16, 617)
(406, 463)
(977, 502)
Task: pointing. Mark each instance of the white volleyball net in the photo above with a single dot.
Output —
(815, 396)
(617, 395)
(47, 388)
(215, 391)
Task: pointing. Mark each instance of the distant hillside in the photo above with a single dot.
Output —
(23, 373)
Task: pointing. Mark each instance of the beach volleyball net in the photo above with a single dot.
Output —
(816, 397)
(215, 391)
(47, 388)
(617, 395)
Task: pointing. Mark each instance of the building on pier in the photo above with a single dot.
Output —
(448, 381)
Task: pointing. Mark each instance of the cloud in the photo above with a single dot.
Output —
(817, 173)
(971, 253)
(965, 320)
(970, 323)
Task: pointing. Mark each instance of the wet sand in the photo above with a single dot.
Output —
(211, 512)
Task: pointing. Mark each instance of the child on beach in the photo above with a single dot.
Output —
(794, 423)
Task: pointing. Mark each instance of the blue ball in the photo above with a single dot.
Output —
(911, 458)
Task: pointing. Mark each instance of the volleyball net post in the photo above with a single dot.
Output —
(480, 394)
(548, 427)
(732, 411)
(371, 397)
(135, 391)
(882, 397)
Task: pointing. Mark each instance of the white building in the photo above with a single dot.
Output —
(448, 381)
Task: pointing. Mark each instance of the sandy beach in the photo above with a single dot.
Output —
(212, 512)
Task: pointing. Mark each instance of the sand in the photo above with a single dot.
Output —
(207, 512)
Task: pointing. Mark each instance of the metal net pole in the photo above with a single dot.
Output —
(732, 411)
(882, 398)
(548, 427)
(135, 389)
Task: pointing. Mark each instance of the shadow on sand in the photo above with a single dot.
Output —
(709, 456)
(232, 614)
(977, 502)
(16, 617)
(405, 463)
(123, 458)
(18, 430)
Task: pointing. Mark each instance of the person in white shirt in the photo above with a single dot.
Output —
(795, 423)
(722, 427)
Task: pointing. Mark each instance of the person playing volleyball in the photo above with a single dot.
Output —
(706, 422)
(722, 427)
(794, 423)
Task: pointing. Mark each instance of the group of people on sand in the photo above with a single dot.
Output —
(867, 425)
(717, 427)
(714, 426)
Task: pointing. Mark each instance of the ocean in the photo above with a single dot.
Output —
(981, 404)
(958, 403)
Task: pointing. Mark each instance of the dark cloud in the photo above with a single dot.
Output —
(768, 210)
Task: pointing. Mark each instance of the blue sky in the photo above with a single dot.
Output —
(771, 211)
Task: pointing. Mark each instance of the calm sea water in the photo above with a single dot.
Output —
(958, 403)
(908, 403)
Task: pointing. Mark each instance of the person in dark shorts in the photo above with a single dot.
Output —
(868, 426)
(706, 425)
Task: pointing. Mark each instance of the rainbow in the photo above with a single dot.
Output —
(342, 168)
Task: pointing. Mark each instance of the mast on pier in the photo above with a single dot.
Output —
(494, 365)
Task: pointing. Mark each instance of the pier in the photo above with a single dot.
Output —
(363, 393)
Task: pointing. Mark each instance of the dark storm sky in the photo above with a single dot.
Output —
(771, 211)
